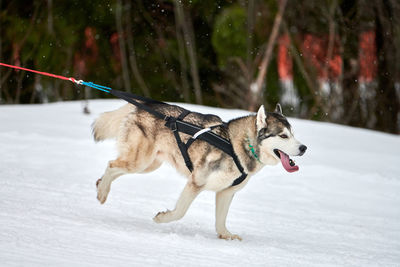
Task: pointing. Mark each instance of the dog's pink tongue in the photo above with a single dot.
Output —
(286, 164)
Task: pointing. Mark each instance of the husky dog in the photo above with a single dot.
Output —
(144, 143)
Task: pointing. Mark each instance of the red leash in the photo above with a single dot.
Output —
(42, 73)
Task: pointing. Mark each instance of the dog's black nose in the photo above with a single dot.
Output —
(302, 149)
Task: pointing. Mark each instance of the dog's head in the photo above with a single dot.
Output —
(276, 140)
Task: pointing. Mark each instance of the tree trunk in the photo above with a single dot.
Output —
(67, 87)
(182, 56)
(250, 34)
(19, 87)
(132, 58)
(334, 105)
(387, 103)
(122, 47)
(50, 27)
(187, 29)
(349, 30)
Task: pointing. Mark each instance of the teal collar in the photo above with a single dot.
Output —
(253, 151)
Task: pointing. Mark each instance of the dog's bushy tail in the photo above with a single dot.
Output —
(109, 123)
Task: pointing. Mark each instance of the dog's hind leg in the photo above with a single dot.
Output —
(223, 200)
(103, 184)
(133, 160)
(186, 198)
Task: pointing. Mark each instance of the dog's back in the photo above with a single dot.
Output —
(109, 124)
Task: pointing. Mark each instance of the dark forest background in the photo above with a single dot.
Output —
(329, 60)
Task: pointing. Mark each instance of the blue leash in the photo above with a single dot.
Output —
(96, 86)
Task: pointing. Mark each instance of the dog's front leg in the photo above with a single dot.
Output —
(186, 198)
(223, 200)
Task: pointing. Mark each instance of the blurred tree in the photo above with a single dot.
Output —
(185, 25)
(214, 52)
(229, 34)
(387, 100)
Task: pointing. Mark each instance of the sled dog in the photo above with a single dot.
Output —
(143, 143)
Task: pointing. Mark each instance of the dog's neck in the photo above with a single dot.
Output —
(242, 133)
(252, 150)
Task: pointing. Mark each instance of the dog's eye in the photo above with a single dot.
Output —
(284, 136)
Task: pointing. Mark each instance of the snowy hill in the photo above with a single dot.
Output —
(341, 209)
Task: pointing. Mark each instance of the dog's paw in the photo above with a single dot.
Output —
(229, 236)
(162, 217)
(102, 192)
(101, 197)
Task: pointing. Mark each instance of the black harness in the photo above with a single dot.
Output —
(177, 125)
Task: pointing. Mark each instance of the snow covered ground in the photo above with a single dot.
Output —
(341, 209)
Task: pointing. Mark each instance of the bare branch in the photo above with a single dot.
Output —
(267, 56)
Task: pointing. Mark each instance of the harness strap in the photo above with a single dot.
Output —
(172, 124)
(178, 125)
(129, 97)
(215, 140)
(240, 179)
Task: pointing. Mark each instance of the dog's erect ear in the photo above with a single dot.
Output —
(261, 123)
(278, 109)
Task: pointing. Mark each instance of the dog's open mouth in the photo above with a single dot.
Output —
(287, 162)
